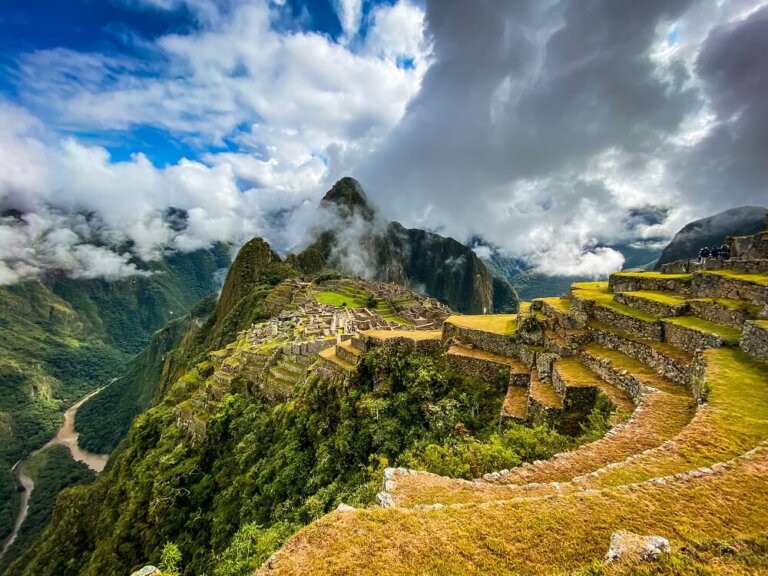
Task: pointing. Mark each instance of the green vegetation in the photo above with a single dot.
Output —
(505, 324)
(668, 298)
(52, 470)
(599, 293)
(727, 333)
(268, 469)
(338, 300)
(759, 279)
(61, 339)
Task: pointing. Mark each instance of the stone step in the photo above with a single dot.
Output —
(515, 405)
(732, 285)
(754, 339)
(303, 360)
(666, 360)
(578, 386)
(650, 281)
(596, 301)
(724, 310)
(627, 373)
(691, 333)
(479, 364)
(347, 352)
(292, 366)
(654, 303)
(333, 361)
(558, 311)
(279, 371)
(544, 404)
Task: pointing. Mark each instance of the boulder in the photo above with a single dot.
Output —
(345, 508)
(147, 571)
(628, 546)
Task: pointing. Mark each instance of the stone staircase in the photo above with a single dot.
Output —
(683, 359)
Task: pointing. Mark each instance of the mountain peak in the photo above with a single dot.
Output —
(348, 198)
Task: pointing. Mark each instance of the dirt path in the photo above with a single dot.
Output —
(66, 436)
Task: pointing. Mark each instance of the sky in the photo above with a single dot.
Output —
(548, 129)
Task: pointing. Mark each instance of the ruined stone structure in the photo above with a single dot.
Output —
(682, 357)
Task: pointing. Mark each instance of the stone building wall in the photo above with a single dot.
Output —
(650, 306)
(720, 286)
(754, 339)
(640, 328)
(635, 283)
(494, 343)
(689, 339)
(666, 366)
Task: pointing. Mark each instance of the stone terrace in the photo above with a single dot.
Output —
(682, 356)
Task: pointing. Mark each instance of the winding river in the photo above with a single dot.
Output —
(66, 436)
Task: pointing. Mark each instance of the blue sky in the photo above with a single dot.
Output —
(541, 126)
(127, 29)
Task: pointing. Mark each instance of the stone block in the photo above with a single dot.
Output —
(754, 339)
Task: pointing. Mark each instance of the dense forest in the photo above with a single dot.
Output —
(61, 338)
(268, 468)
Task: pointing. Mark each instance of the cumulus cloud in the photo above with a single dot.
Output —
(544, 126)
(284, 102)
(552, 129)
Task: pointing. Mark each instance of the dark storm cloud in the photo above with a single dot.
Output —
(555, 116)
(732, 161)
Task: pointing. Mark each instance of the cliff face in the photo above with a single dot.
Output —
(712, 231)
(359, 242)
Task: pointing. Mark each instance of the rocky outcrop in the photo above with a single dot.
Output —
(630, 547)
(712, 231)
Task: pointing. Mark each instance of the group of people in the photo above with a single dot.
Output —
(717, 253)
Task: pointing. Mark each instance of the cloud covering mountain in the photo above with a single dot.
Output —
(549, 129)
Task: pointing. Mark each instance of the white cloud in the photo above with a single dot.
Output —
(350, 14)
(292, 102)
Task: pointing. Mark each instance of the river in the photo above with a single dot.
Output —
(66, 436)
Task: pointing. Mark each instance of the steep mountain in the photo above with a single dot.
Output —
(256, 434)
(60, 338)
(357, 241)
(712, 231)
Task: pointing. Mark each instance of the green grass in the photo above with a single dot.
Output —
(749, 308)
(598, 292)
(727, 333)
(666, 298)
(759, 279)
(338, 300)
(504, 324)
(561, 304)
(683, 277)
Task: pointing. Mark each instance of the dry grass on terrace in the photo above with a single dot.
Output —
(575, 374)
(545, 394)
(516, 402)
(478, 354)
(561, 304)
(530, 537)
(330, 354)
(504, 324)
(417, 335)
(668, 298)
(727, 333)
(660, 418)
(734, 421)
(598, 293)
